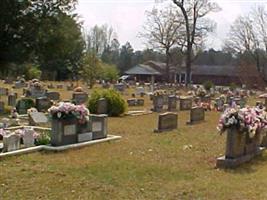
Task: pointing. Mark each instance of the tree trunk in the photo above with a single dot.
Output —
(167, 66)
(188, 65)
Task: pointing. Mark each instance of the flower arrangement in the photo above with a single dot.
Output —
(247, 120)
(66, 110)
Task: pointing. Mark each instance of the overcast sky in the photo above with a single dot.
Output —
(128, 16)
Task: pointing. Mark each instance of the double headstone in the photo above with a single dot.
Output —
(167, 122)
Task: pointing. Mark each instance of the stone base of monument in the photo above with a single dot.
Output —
(194, 122)
(223, 162)
(109, 138)
(163, 130)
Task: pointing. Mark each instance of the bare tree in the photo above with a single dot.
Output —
(259, 17)
(242, 37)
(99, 38)
(163, 31)
(196, 25)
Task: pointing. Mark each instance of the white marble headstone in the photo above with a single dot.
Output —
(28, 138)
(11, 142)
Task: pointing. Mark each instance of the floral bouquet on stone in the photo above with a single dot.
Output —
(247, 120)
(66, 110)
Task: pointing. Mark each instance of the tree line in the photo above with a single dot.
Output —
(42, 37)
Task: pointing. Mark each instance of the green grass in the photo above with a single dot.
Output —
(142, 165)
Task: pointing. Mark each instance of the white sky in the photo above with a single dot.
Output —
(128, 16)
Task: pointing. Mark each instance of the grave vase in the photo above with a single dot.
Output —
(235, 143)
(64, 131)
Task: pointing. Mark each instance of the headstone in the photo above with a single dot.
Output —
(102, 106)
(80, 97)
(64, 131)
(55, 96)
(219, 104)
(11, 142)
(12, 100)
(23, 105)
(37, 118)
(158, 103)
(185, 103)
(119, 87)
(3, 91)
(99, 126)
(131, 102)
(167, 121)
(140, 91)
(172, 103)
(2, 107)
(43, 104)
(28, 137)
(197, 114)
(140, 102)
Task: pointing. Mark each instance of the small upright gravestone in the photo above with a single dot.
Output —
(12, 100)
(99, 126)
(2, 106)
(55, 96)
(102, 106)
(3, 91)
(11, 142)
(119, 87)
(80, 97)
(131, 102)
(28, 138)
(197, 114)
(172, 103)
(167, 122)
(43, 104)
(158, 103)
(185, 103)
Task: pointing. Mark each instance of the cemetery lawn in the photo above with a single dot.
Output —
(175, 165)
(142, 165)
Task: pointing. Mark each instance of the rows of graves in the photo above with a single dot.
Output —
(69, 129)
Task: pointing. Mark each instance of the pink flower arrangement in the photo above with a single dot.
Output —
(248, 120)
(67, 110)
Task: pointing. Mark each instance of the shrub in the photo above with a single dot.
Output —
(28, 103)
(116, 104)
(208, 85)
